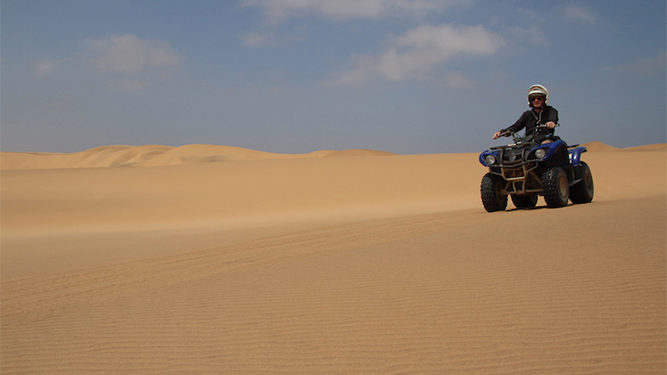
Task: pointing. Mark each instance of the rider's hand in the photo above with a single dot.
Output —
(550, 124)
(496, 135)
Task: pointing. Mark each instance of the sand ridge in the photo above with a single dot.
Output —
(368, 263)
(155, 155)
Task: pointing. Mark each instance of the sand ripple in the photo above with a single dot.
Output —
(313, 265)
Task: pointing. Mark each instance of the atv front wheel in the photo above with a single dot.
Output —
(555, 187)
(492, 197)
(524, 201)
(582, 191)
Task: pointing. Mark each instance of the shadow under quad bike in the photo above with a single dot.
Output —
(526, 169)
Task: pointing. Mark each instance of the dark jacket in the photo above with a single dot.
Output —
(531, 118)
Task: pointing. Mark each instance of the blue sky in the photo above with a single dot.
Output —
(408, 76)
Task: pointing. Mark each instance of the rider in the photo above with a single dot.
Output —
(540, 114)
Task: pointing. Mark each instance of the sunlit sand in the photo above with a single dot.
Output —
(216, 259)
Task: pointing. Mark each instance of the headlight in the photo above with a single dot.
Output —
(540, 153)
(490, 159)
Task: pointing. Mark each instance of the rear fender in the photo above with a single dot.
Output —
(575, 155)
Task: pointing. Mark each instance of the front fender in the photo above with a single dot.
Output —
(484, 154)
(551, 148)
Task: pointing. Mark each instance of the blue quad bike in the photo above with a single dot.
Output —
(525, 169)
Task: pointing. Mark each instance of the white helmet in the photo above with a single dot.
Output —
(539, 89)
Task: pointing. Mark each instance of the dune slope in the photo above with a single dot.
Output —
(154, 155)
(357, 264)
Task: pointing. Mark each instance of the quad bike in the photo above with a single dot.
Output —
(526, 169)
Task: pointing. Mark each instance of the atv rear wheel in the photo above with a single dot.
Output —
(555, 187)
(524, 201)
(582, 191)
(492, 197)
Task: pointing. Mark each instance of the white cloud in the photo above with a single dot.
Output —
(459, 81)
(129, 85)
(578, 13)
(421, 49)
(119, 57)
(257, 39)
(45, 67)
(278, 10)
(529, 13)
(532, 34)
(645, 66)
(128, 54)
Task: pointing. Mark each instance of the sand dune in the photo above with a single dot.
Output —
(599, 146)
(653, 147)
(155, 155)
(151, 156)
(214, 259)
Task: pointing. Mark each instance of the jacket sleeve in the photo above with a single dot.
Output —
(518, 125)
(552, 116)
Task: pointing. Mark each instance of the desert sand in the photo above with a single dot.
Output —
(208, 259)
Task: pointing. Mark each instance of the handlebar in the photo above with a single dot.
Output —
(508, 132)
(542, 126)
(518, 139)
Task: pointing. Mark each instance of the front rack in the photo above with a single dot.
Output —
(519, 178)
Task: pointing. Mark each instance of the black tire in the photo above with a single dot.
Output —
(582, 191)
(492, 197)
(525, 201)
(556, 187)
